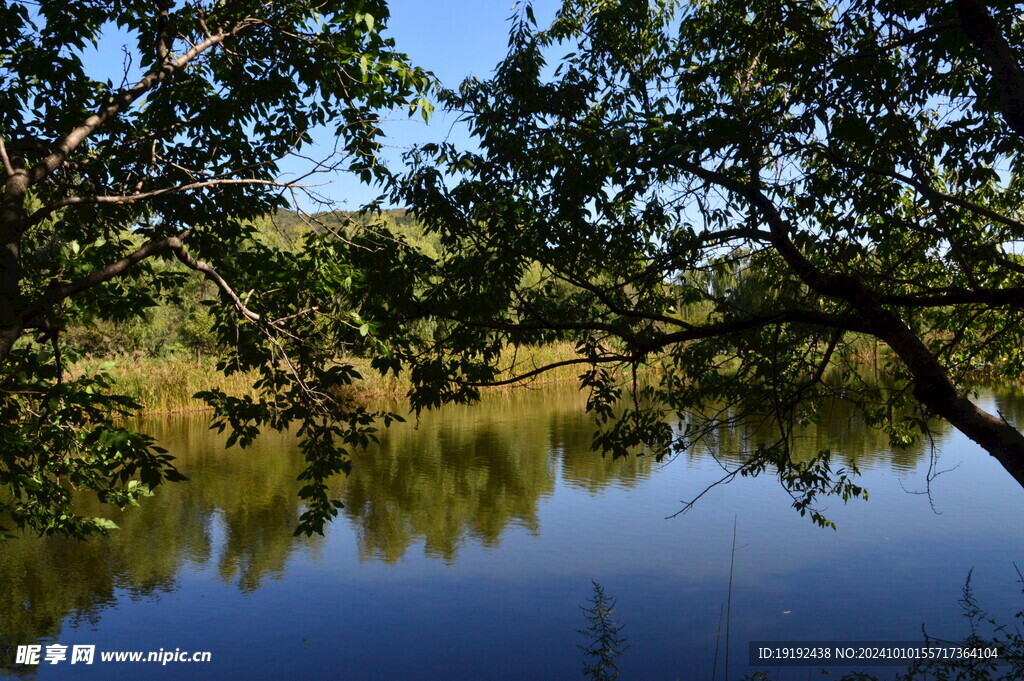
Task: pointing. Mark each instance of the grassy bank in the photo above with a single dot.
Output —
(167, 384)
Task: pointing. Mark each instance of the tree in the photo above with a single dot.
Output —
(730, 202)
(172, 160)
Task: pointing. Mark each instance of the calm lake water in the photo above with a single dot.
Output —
(468, 543)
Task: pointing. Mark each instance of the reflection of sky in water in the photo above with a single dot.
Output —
(469, 542)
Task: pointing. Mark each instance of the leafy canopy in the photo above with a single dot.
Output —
(106, 182)
(729, 204)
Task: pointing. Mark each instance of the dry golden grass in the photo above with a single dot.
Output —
(166, 385)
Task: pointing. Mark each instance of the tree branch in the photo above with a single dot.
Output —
(932, 385)
(1005, 296)
(926, 190)
(549, 367)
(58, 293)
(810, 317)
(832, 285)
(1007, 75)
(125, 99)
(181, 254)
(909, 39)
(46, 211)
(6, 159)
(116, 269)
(162, 47)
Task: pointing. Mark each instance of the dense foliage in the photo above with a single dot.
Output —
(730, 203)
(181, 325)
(172, 157)
(723, 206)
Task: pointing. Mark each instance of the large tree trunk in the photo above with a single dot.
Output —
(933, 389)
(11, 210)
(995, 435)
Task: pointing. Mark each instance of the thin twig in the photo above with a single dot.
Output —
(728, 607)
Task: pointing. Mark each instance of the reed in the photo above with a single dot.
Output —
(167, 384)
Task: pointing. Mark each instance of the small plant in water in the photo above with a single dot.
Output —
(985, 633)
(605, 642)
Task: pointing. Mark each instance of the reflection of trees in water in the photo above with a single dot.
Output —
(1010, 405)
(460, 474)
(242, 499)
(469, 473)
(584, 468)
(839, 428)
(457, 474)
(238, 509)
(46, 581)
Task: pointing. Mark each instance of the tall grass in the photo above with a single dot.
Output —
(514, 362)
(167, 384)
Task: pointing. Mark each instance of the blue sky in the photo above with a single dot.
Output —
(452, 38)
(455, 38)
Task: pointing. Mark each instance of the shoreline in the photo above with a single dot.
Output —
(165, 386)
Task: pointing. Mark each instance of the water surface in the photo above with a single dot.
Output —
(469, 540)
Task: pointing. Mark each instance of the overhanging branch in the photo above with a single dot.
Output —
(122, 266)
(126, 98)
(605, 359)
(46, 211)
